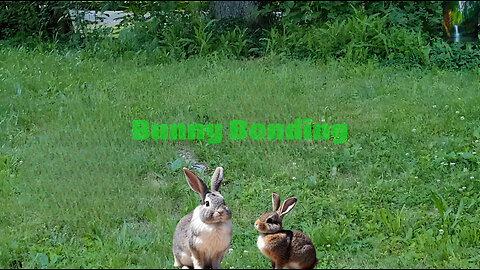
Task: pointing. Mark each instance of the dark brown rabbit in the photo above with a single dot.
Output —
(285, 248)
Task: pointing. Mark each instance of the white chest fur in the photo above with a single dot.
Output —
(211, 238)
(260, 243)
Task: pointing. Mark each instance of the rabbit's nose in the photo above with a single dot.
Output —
(221, 212)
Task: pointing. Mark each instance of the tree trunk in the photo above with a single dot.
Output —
(237, 10)
(61, 23)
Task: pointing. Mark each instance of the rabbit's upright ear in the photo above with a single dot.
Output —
(287, 206)
(217, 178)
(196, 183)
(275, 201)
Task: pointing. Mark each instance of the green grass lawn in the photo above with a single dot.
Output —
(77, 192)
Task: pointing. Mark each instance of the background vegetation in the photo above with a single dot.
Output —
(77, 192)
(392, 33)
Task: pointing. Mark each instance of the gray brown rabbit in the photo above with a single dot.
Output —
(285, 248)
(203, 236)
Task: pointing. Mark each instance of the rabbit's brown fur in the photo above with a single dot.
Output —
(285, 248)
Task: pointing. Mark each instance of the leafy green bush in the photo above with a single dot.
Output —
(175, 35)
(425, 16)
(419, 16)
(309, 12)
(392, 33)
(352, 31)
(25, 21)
(357, 38)
(455, 55)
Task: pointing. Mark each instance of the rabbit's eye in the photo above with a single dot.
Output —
(269, 220)
(207, 203)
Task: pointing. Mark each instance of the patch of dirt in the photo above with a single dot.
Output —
(189, 158)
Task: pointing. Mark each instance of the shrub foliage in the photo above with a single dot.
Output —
(402, 32)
